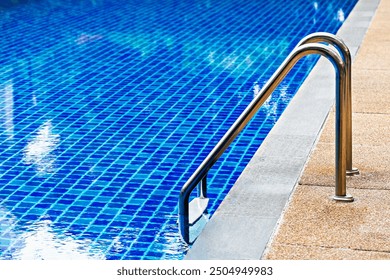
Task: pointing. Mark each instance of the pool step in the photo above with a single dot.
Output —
(197, 207)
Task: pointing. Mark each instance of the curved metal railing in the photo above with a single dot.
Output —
(324, 37)
(305, 48)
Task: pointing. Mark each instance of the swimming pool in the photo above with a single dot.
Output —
(107, 107)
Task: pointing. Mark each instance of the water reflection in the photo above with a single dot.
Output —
(256, 90)
(86, 38)
(315, 6)
(170, 242)
(272, 104)
(39, 151)
(7, 108)
(7, 235)
(40, 241)
(340, 15)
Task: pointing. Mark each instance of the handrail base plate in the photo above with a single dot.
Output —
(344, 198)
(354, 171)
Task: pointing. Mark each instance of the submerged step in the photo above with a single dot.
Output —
(197, 207)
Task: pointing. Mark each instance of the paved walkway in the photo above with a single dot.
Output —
(316, 227)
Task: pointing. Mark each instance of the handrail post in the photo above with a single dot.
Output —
(202, 187)
(341, 137)
(342, 48)
(184, 213)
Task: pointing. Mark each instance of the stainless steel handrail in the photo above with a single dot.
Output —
(340, 159)
(338, 43)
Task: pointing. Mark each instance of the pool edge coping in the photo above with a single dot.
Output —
(246, 220)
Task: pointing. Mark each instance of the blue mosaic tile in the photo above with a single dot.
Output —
(107, 107)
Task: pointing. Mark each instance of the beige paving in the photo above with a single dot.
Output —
(369, 88)
(299, 252)
(316, 227)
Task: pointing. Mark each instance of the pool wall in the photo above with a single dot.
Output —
(244, 223)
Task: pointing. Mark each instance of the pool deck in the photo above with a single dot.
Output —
(313, 225)
(281, 206)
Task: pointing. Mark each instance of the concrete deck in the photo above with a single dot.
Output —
(314, 226)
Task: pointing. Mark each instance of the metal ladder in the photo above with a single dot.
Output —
(339, 55)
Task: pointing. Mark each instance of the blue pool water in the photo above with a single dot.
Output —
(108, 106)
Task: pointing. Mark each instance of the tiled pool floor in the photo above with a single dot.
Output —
(106, 107)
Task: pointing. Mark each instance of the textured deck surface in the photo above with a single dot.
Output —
(316, 227)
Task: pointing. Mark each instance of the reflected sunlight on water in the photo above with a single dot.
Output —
(40, 242)
(40, 150)
(6, 108)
